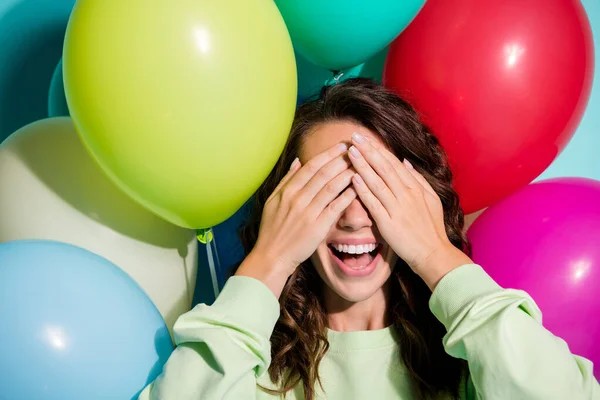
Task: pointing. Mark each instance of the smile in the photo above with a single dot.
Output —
(356, 260)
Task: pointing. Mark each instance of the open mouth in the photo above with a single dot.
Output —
(356, 260)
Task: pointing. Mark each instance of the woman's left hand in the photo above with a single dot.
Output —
(406, 209)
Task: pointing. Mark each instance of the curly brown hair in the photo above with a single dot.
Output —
(299, 341)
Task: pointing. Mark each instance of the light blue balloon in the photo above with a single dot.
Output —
(340, 34)
(32, 35)
(580, 157)
(57, 100)
(74, 326)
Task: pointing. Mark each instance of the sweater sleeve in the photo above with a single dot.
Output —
(221, 349)
(509, 353)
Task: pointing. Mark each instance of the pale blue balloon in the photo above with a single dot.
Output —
(74, 326)
(32, 34)
(581, 156)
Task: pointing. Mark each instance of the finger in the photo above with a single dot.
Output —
(419, 178)
(387, 166)
(373, 180)
(393, 170)
(431, 197)
(323, 178)
(309, 169)
(334, 210)
(379, 163)
(375, 207)
(293, 168)
(331, 191)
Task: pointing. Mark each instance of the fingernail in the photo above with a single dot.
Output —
(358, 179)
(354, 152)
(408, 164)
(343, 146)
(294, 163)
(358, 138)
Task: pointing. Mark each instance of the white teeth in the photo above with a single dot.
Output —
(355, 249)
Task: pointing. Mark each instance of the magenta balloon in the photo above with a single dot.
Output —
(545, 239)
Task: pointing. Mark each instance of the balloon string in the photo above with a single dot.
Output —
(335, 79)
(207, 237)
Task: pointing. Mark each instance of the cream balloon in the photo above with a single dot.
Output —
(50, 188)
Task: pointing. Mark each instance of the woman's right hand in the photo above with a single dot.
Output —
(298, 215)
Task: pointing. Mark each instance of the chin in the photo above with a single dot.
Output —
(351, 280)
(355, 293)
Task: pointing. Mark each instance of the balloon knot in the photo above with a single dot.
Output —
(204, 235)
(337, 77)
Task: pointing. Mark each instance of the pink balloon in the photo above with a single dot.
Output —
(545, 239)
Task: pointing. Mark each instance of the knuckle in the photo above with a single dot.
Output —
(311, 168)
(379, 186)
(287, 197)
(296, 203)
(331, 187)
(303, 219)
(322, 174)
(333, 208)
(417, 189)
(387, 168)
(413, 186)
(375, 206)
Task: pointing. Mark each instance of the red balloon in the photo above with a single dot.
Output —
(502, 84)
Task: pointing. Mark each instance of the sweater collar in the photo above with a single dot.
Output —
(361, 340)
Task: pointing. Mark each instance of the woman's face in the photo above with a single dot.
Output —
(353, 260)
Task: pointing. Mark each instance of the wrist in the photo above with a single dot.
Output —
(270, 270)
(442, 260)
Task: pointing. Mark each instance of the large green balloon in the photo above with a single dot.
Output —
(186, 105)
(339, 34)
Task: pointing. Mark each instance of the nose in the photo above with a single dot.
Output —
(355, 217)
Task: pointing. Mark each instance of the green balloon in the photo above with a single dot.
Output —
(340, 34)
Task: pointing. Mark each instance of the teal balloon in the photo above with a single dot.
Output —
(580, 158)
(32, 34)
(341, 34)
(372, 68)
(311, 77)
(74, 326)
(57, 101)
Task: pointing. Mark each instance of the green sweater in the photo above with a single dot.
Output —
(224, 350)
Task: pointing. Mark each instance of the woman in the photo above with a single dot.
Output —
(356, 284)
